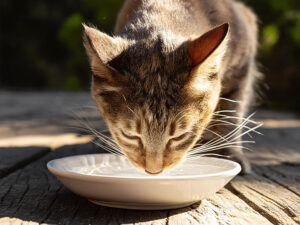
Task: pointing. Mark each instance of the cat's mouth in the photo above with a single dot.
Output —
(154, 173)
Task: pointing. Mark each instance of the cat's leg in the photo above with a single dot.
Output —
(236, 98)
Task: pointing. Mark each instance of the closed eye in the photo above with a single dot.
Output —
(131, 137)
(179, 138)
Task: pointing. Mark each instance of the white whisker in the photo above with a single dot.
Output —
(207, 154)
(226, 123)
(110, 146)
(219, 146)
(236, 130)
(223, 111)
(230, 140)
(229, 100)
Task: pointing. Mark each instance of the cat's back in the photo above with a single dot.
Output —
(186, 17)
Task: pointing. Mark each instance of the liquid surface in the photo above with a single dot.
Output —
(116, 166)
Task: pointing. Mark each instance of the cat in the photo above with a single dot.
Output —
(171, 69)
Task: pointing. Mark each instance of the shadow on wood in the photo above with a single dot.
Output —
(31, 193)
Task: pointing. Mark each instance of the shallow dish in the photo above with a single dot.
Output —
(110, 180)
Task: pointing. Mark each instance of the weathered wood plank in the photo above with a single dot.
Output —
(14, 158)
(51, 141)
(272, 200)
(276, 146)
(285, 174)
(15, 221)
(33, 191)
(33, 194)
(222, 208)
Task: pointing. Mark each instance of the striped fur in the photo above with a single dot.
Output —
(155, 100)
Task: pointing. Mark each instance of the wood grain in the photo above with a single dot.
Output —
(29, 194)
(33, 194)
(222, 208)
(14, 158)
(285, 174)
(272, 200)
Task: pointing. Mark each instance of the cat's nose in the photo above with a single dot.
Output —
(153, 163)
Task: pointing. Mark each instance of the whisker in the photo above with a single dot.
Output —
(246, 132)
(237, 129)
(195, 150)
(130, 109)
(207, 154)
(228, 140)
(106, 148)
(221, 111)
(236, 142)
(226, 123)
(219, 148)
(111, 145)
(220, 136)
(229, 100)
(182, 111)
(236, 117)
(83, 129)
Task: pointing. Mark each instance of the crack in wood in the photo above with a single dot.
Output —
(75, 211)
(262, 173)
(252, 204)
(22, 197)
(50, 206)
(168, 217)
(6, 193)
(282, 207)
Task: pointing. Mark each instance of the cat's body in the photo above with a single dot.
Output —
(156, 53)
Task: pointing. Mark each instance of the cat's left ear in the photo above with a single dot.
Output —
(210, 47)
(101, 48)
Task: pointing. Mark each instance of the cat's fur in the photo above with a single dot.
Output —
(156, 92)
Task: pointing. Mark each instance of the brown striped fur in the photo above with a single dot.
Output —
(158, 81)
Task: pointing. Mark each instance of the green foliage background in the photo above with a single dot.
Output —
(41, 45)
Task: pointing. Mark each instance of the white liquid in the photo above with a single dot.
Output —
(115, 166)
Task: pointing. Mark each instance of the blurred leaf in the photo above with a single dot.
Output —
(294, 30)
(280, 5)
(295, 33)
(72, 83)
(70, 31)
(270, 36)
(102, 13)
(45, 38)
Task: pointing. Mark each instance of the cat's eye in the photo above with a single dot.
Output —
(132, 137)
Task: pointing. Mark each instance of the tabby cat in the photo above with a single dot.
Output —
(171, 69)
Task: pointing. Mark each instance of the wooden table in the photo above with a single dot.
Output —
(29, 194)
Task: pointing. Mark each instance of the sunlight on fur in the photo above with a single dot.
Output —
(247, 126)
(162, 80)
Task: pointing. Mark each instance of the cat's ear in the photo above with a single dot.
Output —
(101, 48)
(210, 46)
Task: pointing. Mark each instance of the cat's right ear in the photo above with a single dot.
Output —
(209, 48)
(101, 48)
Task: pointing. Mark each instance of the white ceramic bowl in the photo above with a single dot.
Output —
(110, 180)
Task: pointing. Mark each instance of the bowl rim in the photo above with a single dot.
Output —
(70, 174)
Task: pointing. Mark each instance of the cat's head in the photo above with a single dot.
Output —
(158, 94)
